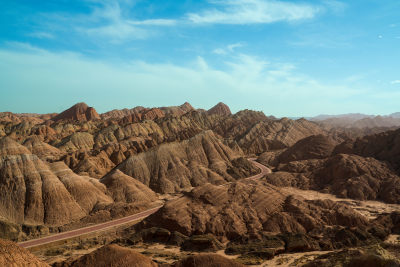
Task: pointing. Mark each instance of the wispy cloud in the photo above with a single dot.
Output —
(116, 26)
(248, 79)
(114, 20)
(154, 22)
(108, 20)
(253, 12)
(395, 82)
(41, 35)
(335, 6)
(228, 49)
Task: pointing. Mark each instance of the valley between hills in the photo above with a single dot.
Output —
(179, 186)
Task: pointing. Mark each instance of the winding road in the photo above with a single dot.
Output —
(264, 170)
(114, 223)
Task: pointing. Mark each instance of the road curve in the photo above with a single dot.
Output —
(264, 170)
(117, 222)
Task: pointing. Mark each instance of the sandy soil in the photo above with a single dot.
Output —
(293, 259)
(393, 239)
(370, 209)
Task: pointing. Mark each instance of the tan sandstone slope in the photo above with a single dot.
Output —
(383, 146)
(117, 256)
(347, 176)
(35, 192)
(110, 256)
(13, 255)
(30, 192)
(247, 208)
(206, 260)
(180, 165)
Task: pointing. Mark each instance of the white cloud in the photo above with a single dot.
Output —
(254, 11)
(335, 6)
(117, 31)
(108, 20)
(154, 22)
(245, 79)
(232, 47)
(41, 35)
(228, 49)
(115, 25)
(219, 51)
(395, 82)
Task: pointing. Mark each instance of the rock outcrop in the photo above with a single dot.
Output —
(76, 141)
(78, 112)
(123, 188)
(13, 255)
(220, 109)
(312, 147)
(347, 176)
(366, 256)
(139, 114)
(206, 260)
(30, 192)
(177, 166)
(246, 209)
(382, 146)
(110, 255)
(276, 134)
(43, 150)
(38, 193)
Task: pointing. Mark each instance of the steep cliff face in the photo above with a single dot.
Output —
(181, 165)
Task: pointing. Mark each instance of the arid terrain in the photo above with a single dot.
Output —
(179, 186)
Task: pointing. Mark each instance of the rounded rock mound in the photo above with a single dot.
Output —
(220, 109)
(78, 112)
(312, 147)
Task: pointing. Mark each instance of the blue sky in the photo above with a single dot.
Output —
(286, 58)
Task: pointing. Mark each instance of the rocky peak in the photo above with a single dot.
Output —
(186, 107)
(220, 109)
(78, 112)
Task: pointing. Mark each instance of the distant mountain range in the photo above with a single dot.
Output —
(355, 116)
(357, 120)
